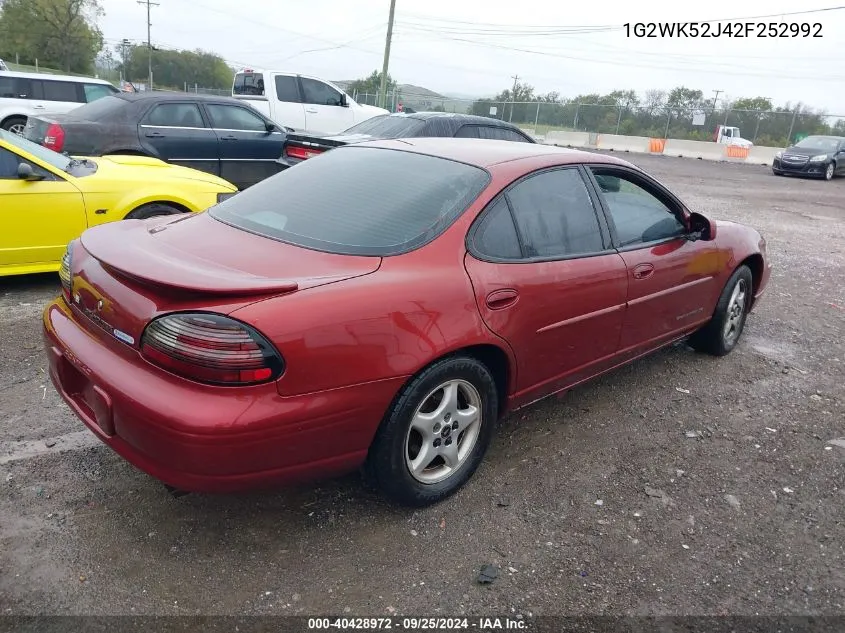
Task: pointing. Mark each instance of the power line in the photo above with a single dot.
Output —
(775, 75)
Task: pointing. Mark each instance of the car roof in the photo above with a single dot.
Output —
(48, 76)
(172, 96)
(488, 152)
(456, 116)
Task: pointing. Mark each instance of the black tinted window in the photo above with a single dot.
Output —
(287, 89)
(357, 201)
(388, 126)
(8, 165)
(251, 84)
(638, 215)
(10, 87)
(500, 133)
(496, 234)
(175, 115)
(318, 93)
(467, 131)
(555, 215)
(234, 118)
(60, 91)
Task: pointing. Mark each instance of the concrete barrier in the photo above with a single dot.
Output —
(530, 131)
(694, 149)
(619, 143)
(568, 139)
(762, 155)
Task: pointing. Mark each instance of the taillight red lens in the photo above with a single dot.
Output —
(210, 348)
(301, 152)
(54, 138)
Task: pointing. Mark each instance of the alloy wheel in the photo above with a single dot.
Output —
(443, 431)
(735, 313)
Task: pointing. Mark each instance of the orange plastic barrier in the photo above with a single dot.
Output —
(735, 151)
(656, 145)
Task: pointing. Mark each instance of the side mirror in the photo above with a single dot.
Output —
(270, 126)
(701, 228)
(25, 172)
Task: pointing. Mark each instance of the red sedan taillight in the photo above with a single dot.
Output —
(210, 348)
(65, 272)
(54, 137)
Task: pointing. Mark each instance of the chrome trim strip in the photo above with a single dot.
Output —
(667, 291)
(581, 317)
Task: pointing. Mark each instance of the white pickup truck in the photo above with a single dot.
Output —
(726, 135)
(306, 104)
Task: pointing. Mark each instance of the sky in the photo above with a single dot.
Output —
(476, 47)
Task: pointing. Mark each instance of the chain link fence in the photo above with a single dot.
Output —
(772, 128)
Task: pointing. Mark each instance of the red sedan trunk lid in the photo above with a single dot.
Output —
(128, 272)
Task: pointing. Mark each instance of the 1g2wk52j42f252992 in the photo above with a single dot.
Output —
(383, 305)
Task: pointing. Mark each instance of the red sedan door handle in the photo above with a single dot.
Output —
(643, 270)
(499, 299)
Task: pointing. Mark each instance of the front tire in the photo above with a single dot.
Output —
(435, 434)
(721, 334)
(829, 171)
(152, 210)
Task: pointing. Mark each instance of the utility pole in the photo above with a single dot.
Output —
(382, 93)
(715, 98)
(513, 96)
(149, 4)
(124, 45)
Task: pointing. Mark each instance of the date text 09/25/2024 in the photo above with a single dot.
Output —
(723, 29)
(418, 624)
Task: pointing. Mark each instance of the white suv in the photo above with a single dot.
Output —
(23, 94)
(306, 104)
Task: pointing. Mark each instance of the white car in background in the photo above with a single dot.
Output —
(306, 104)
(25, 94)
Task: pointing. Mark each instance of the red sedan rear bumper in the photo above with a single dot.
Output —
(208, 439)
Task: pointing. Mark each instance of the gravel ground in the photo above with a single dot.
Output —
(596, 502)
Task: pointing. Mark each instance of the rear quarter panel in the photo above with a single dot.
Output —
(391, 323)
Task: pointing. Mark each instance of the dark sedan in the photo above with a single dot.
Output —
(218, 135)
(820, 156)
(299, 147)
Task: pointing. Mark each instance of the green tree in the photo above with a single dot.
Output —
(61, 34)
(174, 69)
(372, 84)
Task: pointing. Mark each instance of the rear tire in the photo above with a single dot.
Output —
(15, 125)
(721, 334)
(152, 210)
(449, 411)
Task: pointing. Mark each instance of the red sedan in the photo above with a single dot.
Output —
(383, 305)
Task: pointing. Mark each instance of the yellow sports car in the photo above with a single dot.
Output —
(47, 199)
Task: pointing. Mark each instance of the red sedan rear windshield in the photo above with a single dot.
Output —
(357, 201)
